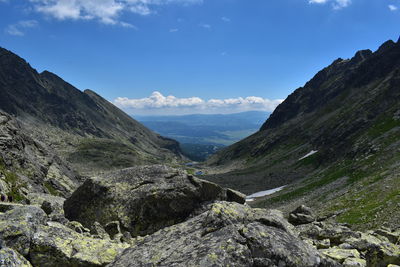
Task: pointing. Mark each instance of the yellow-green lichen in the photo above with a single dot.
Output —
(213, 257)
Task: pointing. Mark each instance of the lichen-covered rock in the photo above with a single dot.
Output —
(98, 231)
(322, 244)
(143, 199)
(18, 225)
(78, 227)
(11, 258)
(52, 205)
(301, 215)
(354, 262)
(341, 255)
(378, 250)
(57, 245)
(33, 165)
(392, 236)
(226, 234)
(375, 248)
(336, 233)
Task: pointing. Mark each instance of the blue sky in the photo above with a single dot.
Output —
(208, 56)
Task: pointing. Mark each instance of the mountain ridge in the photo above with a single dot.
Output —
(84, 129)
(349, 114)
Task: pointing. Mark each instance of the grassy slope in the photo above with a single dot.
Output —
(350, 113)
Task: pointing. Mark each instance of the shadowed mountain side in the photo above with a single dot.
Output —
(348, 115)
(69, 119)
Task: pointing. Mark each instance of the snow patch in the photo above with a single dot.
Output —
(312, 152)
(251, 197)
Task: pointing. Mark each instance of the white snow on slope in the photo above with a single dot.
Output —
(312, 152)
(264, 193)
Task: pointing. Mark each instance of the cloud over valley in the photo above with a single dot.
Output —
(158, 104)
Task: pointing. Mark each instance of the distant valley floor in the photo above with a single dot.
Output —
(202, 135)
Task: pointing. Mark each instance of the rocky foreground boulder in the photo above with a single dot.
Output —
(27, 233)
(226, 234)
(11, 258)
(210, 232)
(142, 200)
(377, 248)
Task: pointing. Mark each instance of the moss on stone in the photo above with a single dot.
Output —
(50, 188)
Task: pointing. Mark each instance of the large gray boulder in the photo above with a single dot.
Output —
(18, 223)
(51, 205)
(301, 215)
(142, 199)
(56, 245)
(226, 234)
(27, 233)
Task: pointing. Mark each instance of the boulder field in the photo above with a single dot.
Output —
(161, 216)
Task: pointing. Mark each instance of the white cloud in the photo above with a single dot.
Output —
(225, 19)
(158, 104)
(393, 7)
(18, 29)
(339, 4)
(318, 1)
(173, 30)
(127, 25)
(205, 25)
(336, 4)
(105, 11)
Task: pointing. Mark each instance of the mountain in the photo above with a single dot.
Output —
(335, 142)
(235, 121)
(159, 215)
(85, 128)
(201, 135)
(51, 134)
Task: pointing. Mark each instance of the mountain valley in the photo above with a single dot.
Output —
(202, 135)
(84, 184)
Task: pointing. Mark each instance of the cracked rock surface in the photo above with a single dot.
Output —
(142, 199)
(226, 234)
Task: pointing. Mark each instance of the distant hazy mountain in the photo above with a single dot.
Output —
(203, 134)
(236, 121)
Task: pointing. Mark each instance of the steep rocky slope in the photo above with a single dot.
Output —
(336, 141)
(88, 130)
(27, 165)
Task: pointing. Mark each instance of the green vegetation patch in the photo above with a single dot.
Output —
(50, 188)
(13, 181)
(382, 126)
(364, 206)
(104, 153)
(313, 160)
(327, 179)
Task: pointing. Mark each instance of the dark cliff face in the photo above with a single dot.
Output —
(45, 100)
(341, 76)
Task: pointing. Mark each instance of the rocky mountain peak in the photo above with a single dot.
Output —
(54, 108)
(321, 88)
(361, 55)
(386, 46)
